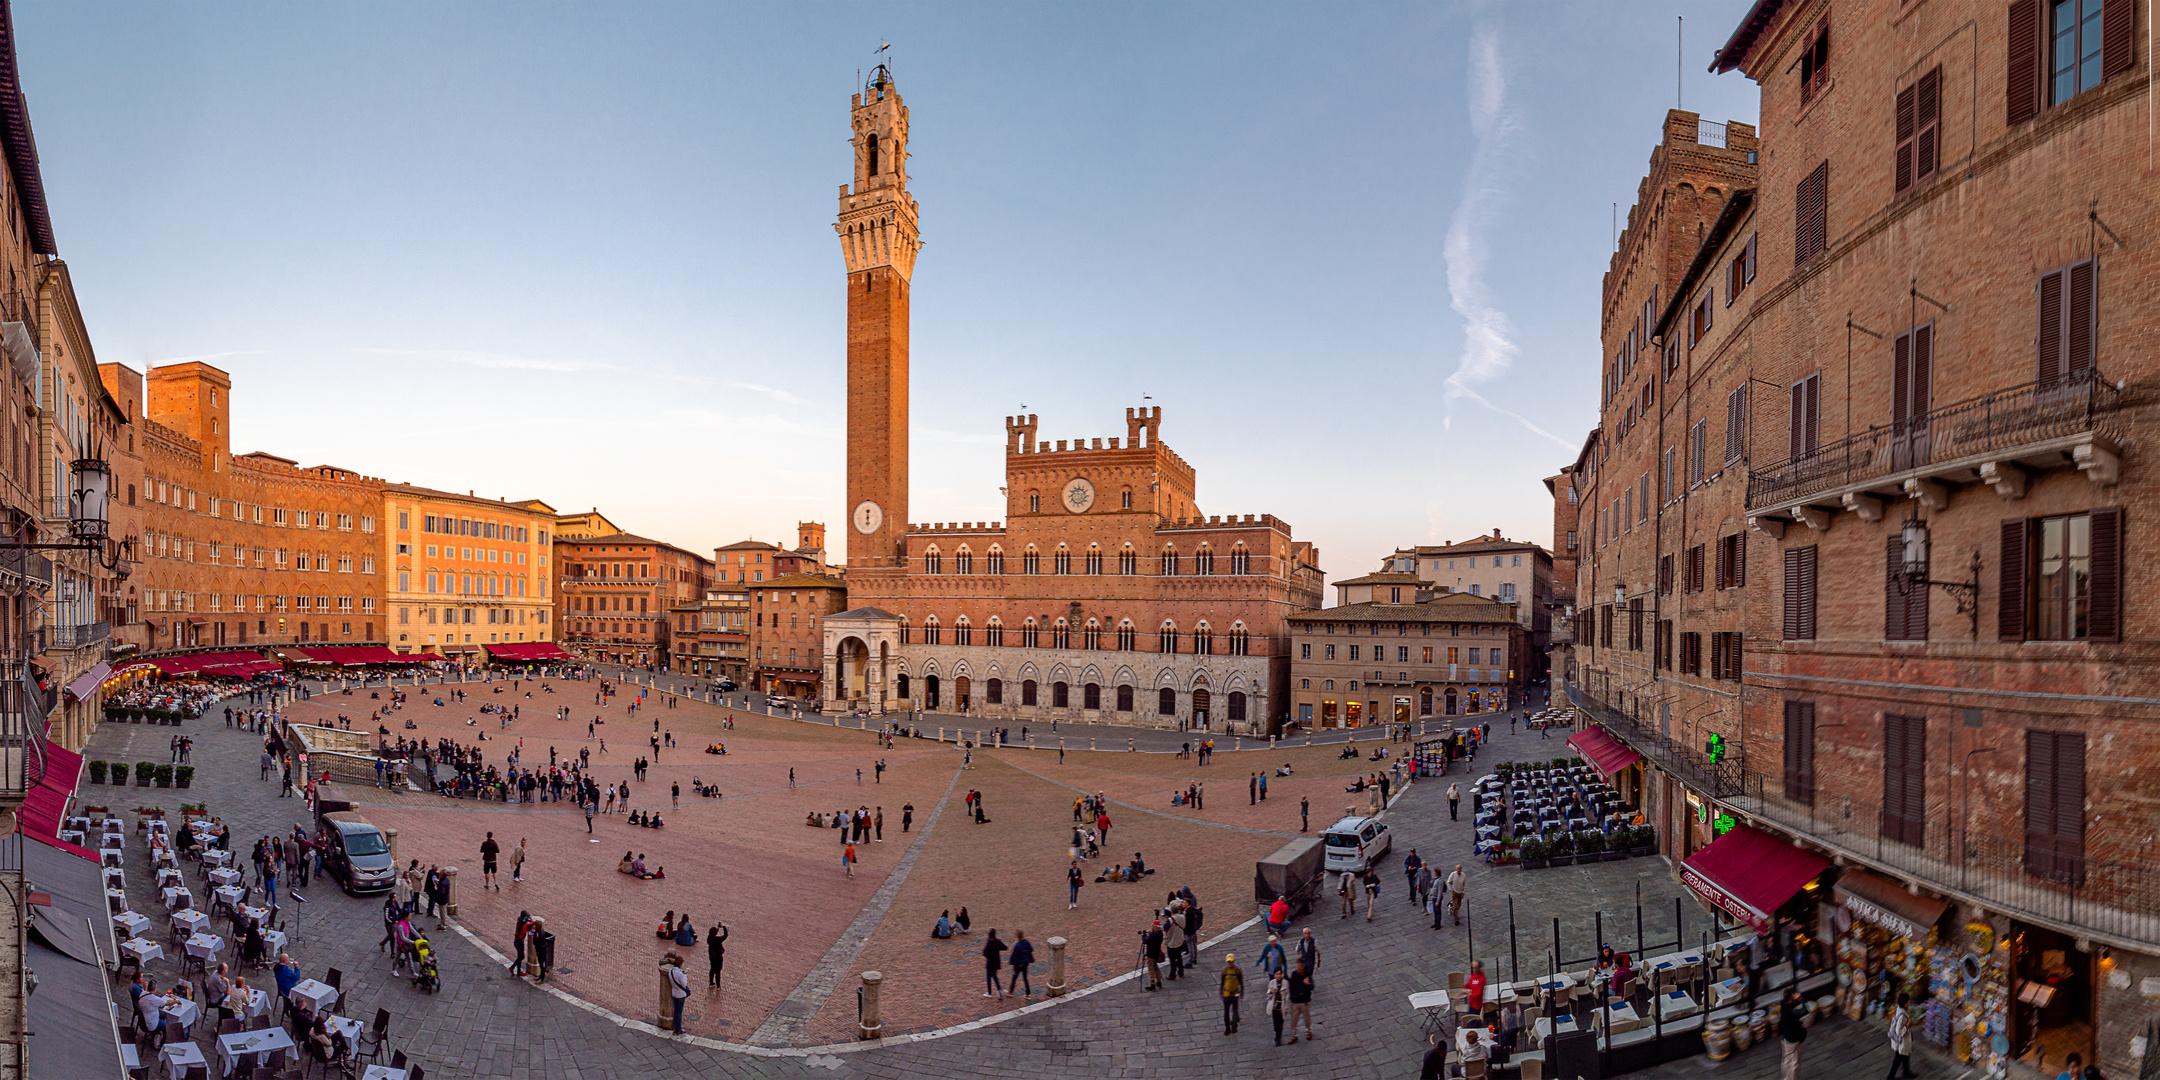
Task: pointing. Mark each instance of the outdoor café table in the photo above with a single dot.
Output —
(259, 914)
(173, 893)
(217, 856)
(318, 996)
(258, 1044)
(116, 898)
(157, 825)
(1622, 1012)
(109, 858)
(1467, 1036)
(115, 878)
(1675, 1003)
(1724, 993)
(1555, 982)
(132, 923)
(230, 895)
(115, 825)
(143, 950)
(206, 946)
(1546, 1026)
(178, 1056)
(275, 939)
(182, 1011)
(224, 876)
(160, 857)
(188, 922)
(382, 1072)
(129, 1059)
(168, 876)
(1672, 960)
(347, 1026)
(79, 823)
(73, 836)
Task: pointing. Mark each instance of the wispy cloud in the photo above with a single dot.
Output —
(500, 361)
(773, 392)
(1488, 336)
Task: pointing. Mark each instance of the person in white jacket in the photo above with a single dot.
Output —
(679, 986)
(1901, 1039)
(1278, 1001)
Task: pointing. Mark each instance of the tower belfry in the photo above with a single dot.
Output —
(878, 237)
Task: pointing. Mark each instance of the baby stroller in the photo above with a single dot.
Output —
(422, 968)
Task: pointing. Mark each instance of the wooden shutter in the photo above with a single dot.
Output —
(1800, 752)
(1908, 125)
(1900, 377)
(1927, 141)
(1735, 422)
(1721, 563)
(2118, 37)
(1717, 655)
(1920, 392)
(1904, 805)
(1749, 274)
(2011, 584)
(2049, 336)
(1732, 656)
(2055, 805)
(1739, 560)
(2079, 317)
(2103, 619)
(1811, 215)
(2022, 73)
(1800, 593)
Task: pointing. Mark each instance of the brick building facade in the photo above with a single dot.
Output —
(1379, 662)
(1104, 585)
(615, 595)
(466, 572)
(1902, 383)
(787, 632)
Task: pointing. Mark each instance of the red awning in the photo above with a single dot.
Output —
(1607, 754)
(45, 807)
(1748, 874)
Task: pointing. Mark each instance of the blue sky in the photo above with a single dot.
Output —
(584, 252)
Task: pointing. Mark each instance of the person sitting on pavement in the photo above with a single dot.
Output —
(944, 927)
(667, 925)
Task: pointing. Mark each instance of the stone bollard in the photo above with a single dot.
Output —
(1091, 742)
(1308, 738)
(1057, 967)
(941, 734)
(665, 1019)
(864, 724)
(1131, 745)
(872, 1025)
(1237, 744)
(449, 910)
(1271, 742)
(390, 838)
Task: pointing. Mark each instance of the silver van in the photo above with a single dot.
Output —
(1355, 843)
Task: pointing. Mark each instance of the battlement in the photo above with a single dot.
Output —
(953, 528)
(1219, 522)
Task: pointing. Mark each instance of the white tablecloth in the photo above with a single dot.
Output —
(229, 894)
(143, 949)
(114, 842)
(178, 1056)
(258, 1044)
(207, 946)
(319, 996)
(350, 1028)
(173, 893)
(73, 836)
(132, 923)
(182, 1010)
(157, 825)
(252, 1003)
(275, 939)
(225, 876)
(189, 921)
(259, 914)
(217, 857)
(1676, 1003)
(382, 1072)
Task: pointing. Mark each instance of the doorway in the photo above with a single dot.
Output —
(2051, 990)
(930, 691)
(1353, 713)
(1200, 704)
(960, 692)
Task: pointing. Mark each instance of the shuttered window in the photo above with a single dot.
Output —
(1717, 655)
(1815, 62)
(1691, 654)
(2021, 93)
(1635, 624)
(1732, 561)
(1912, 374)
(1694, 569)
(1905, 604)
(2068, 303)
(1605, 626)
(1665, 575)
(1800, 752)
(2055, 805)
(1904, 803)
(1804, 422)
(1663, 656)
(1800, 593)
(1811, 215)
(2013, 581)
(1698, 438)
(1736, 422)
(1919, 122)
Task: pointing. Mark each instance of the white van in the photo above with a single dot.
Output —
(1355, 843)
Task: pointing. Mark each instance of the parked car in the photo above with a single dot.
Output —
(357, 856)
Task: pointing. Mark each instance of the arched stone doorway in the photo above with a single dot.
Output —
(930, 691)
(854, 667)
(961, 685)
(1451, 701)
(1200, 712)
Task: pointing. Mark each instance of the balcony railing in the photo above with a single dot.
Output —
(2001, 424)
(2074, 891)
(1720, 778)
(77, 637)
(22, 731)
(26, 566)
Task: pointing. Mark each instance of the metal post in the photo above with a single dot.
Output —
(1556, 939)
(1513, 961)
(1599, 941)
(1677, 946)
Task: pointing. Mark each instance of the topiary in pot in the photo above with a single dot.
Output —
(1535, 854)
(162, 774)
(142, 773)
(97, 772)
(184, 775)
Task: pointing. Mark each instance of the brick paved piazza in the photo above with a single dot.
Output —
(800, 932)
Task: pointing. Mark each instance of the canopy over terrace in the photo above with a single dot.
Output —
(1605, 753)
(348, 656)
(230, 665)
(527, 652)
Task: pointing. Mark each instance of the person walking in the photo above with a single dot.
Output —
(1233, 991)
(1273, 960)
(1073, 878)
(489, 849)
(1308, 954)
(1457, 884)
(1252, 789)
(517, 857)
(1454, 799)
(1792, 1031)
(847, 860)
(993, 954)
(1900, 1039)
(1278, 993)
(1301, 999)
(1346, 888)
(678, 986)
(1372, 892)
(1023, 954)
(1410, 867)
(907, 817)
(592, 806)
(1304, 812)
(715, 952)
(1423, 883)
(879, 823)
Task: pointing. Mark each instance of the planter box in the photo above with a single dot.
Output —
(1644, 852)
(189, 782)
(1535, 864)
(1563, 860)
(1613, 856)
(142, 780)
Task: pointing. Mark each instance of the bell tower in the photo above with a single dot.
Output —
(879, 238)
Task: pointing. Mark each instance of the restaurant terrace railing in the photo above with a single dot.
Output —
(1994, 423)
(1719, 777)
(2039, 881)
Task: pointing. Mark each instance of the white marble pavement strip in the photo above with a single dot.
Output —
(791, 1018)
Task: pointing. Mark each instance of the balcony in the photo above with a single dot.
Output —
(1718, 778)
(2117, 903)
(77, 637)
(27, 567)
(1999, 439)
(22, 732)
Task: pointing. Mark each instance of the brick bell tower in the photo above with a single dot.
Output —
(879, 238)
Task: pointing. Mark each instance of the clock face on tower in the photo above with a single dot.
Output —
(1079, 495)
(868, 516)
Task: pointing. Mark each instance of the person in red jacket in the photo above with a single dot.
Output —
(1474, 987)
(1278, 916)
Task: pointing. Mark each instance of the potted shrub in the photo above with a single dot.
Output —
(1533, 853)
(1614, 846)
(142, 773)
(184, 775)
(1589, 844)
(97, 772)
(162, 773)
(1562, 850)
(1644, 841)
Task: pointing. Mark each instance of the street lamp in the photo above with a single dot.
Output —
(93, 493)
(1914, 574)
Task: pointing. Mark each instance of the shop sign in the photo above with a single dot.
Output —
(1717, 896)
(1883, 917)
